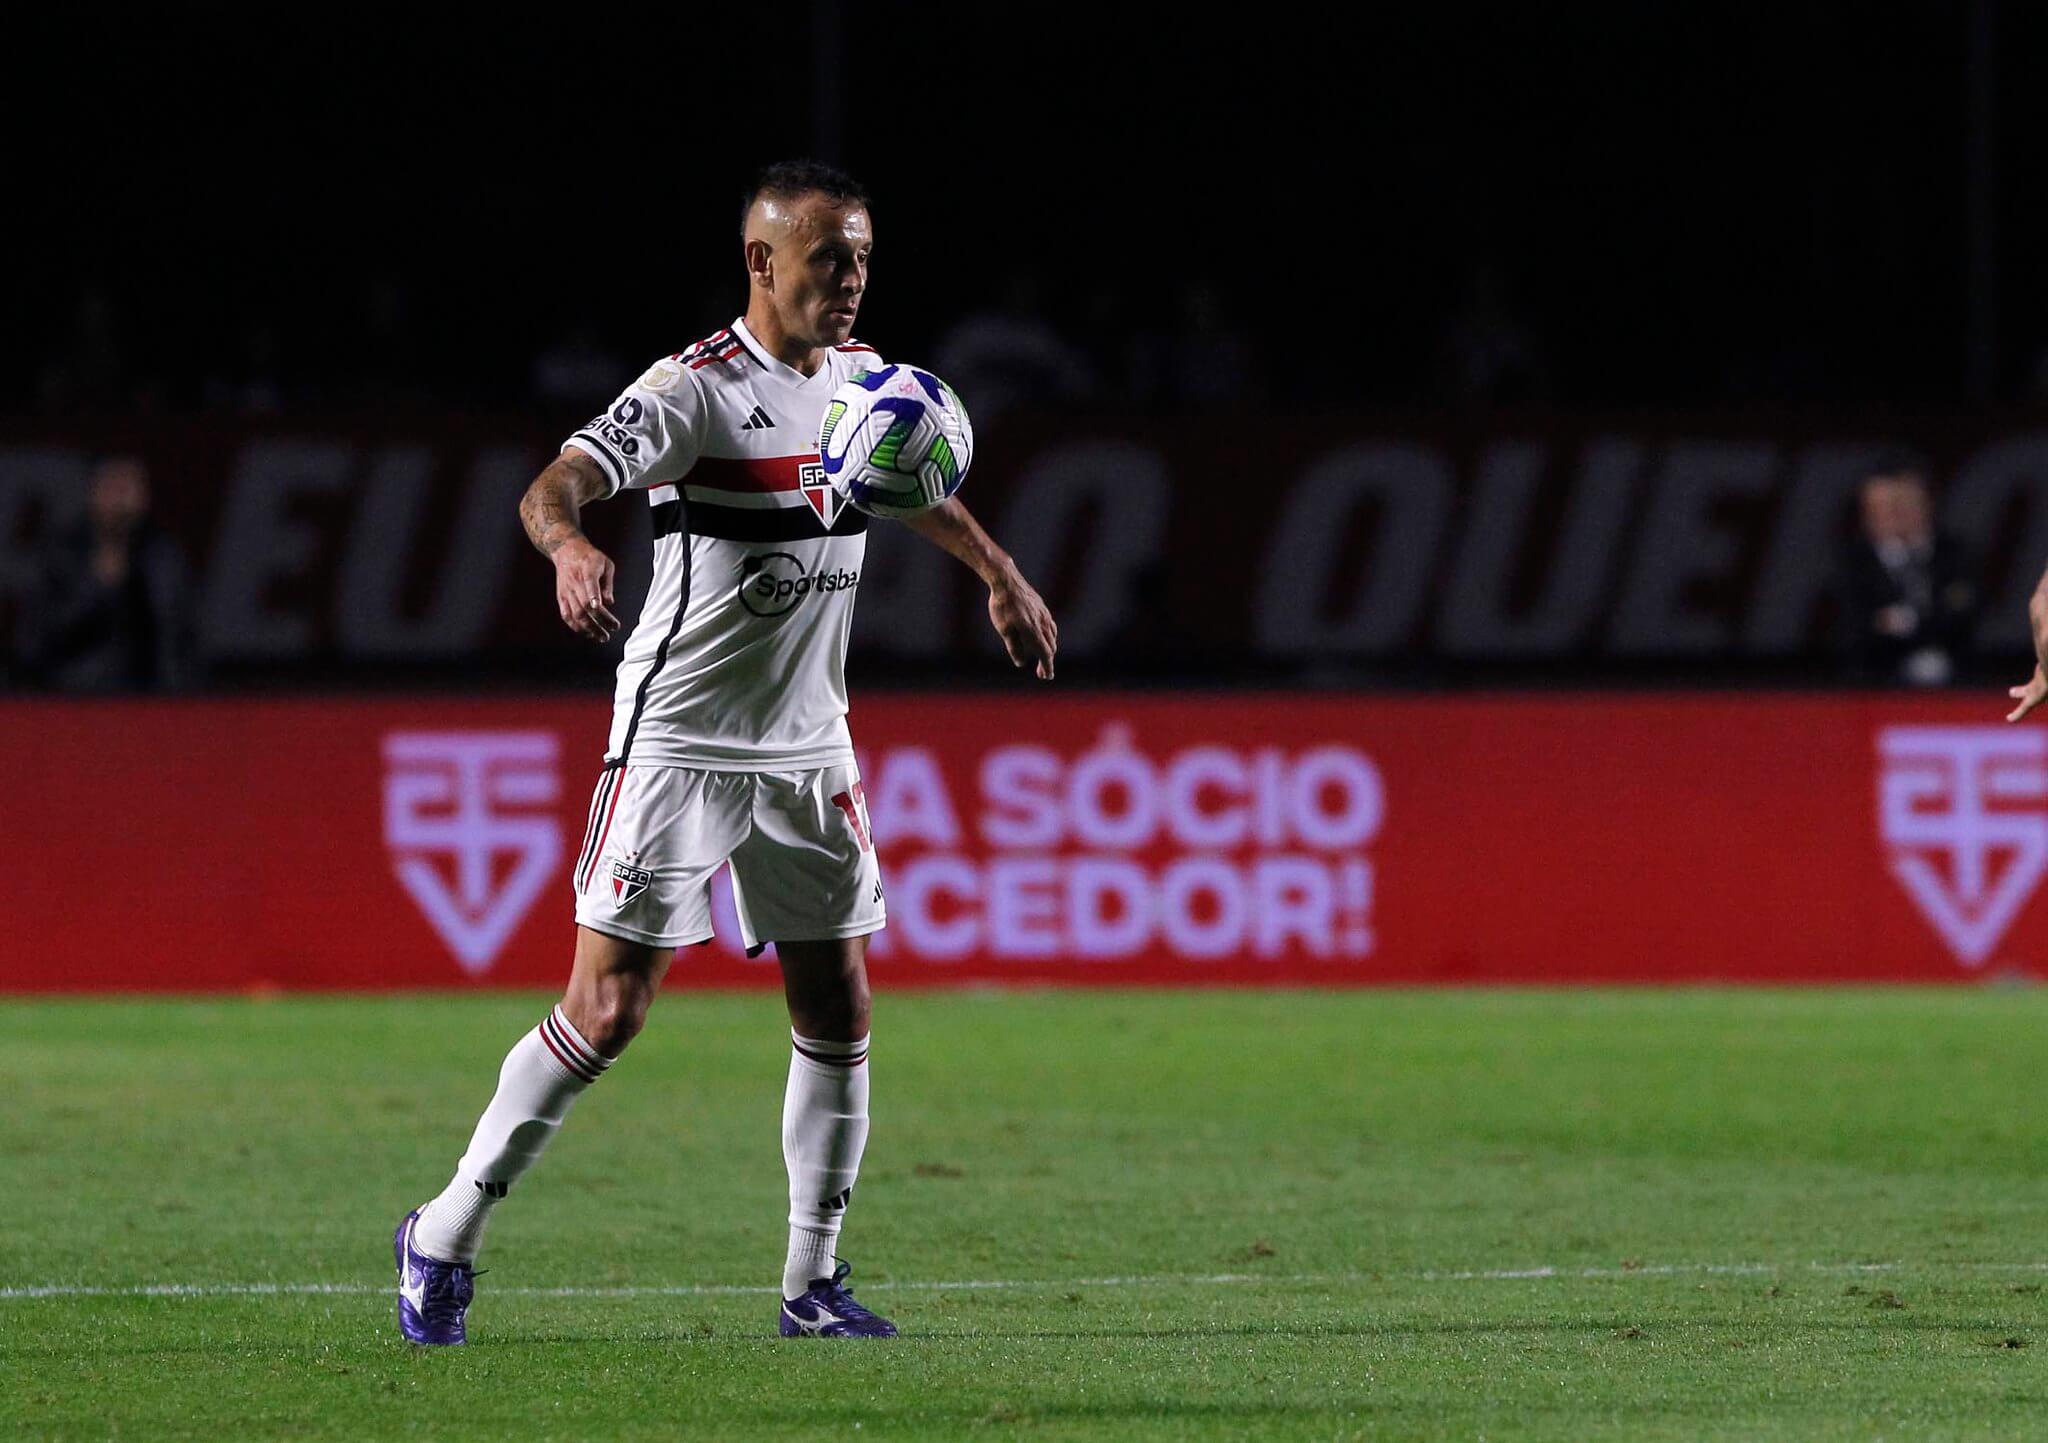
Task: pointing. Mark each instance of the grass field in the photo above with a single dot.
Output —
(1121, 1216)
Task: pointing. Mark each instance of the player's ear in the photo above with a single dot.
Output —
(760, 262)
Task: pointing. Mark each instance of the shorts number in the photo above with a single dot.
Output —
(855, 805)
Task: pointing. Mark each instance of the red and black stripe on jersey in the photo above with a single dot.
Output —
(721, 346)
(759, 476)
(716, 338)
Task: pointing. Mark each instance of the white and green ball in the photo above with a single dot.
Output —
(895, 441)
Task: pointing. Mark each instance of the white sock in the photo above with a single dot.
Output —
(824, 1131)
(545, 1071)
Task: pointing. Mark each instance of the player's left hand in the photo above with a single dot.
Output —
(1024, 622)
(2029, 696)
(583, 590)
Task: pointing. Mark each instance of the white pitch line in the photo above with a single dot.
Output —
(1153, 1280)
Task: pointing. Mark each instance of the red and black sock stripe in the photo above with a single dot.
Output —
(831, 1054)
(569, 1049)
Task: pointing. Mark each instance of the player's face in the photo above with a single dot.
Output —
(821, 270)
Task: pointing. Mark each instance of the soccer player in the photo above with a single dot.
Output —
(728, 742)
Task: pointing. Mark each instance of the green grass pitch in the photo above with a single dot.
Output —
(1499, 1216)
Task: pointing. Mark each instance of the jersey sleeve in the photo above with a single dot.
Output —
(652, 434)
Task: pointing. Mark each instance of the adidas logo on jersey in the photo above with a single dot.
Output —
(759, 421)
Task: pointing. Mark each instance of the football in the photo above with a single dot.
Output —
(895, 441)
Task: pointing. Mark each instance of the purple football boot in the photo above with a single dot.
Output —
(432, 1295)
(827, 1310)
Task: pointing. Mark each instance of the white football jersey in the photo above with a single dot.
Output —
(739, 659)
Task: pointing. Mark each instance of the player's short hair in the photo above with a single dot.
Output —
(1901, 462)
(790, 179)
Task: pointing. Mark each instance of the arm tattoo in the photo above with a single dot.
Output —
(549, 515)
(549, 510)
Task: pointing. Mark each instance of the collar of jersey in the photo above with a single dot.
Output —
(789, 375)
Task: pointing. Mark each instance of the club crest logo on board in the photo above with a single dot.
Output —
(1963, 811)
(470, 824)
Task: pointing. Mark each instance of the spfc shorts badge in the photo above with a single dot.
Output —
(628, 882)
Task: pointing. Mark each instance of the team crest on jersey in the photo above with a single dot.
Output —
(818, 492)
(628, 881)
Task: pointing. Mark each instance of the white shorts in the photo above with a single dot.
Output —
(803, 860)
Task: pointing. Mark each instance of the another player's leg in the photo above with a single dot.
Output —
(610, 988)
(824, 1132)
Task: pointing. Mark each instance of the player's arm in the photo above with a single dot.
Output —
(2035, 691)
(1019, 613)
(551, 510)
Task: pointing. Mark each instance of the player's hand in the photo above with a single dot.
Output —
(2029, 696)
(583, 590)
(1025, 624)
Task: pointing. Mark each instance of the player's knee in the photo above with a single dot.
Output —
(609, 1017)
(850, 1022)
(837, 1011)
(615, 1021)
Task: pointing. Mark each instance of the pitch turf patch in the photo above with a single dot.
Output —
(1517, 1216)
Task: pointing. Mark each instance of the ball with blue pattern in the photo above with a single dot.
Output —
(895, 441)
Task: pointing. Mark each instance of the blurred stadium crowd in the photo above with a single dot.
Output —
(102, 595)
(1489, 339)
(1625, 346)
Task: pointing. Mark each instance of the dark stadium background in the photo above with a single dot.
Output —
(1693, 205)
(1685, 214)
(1678, 193)
(1409, 357)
